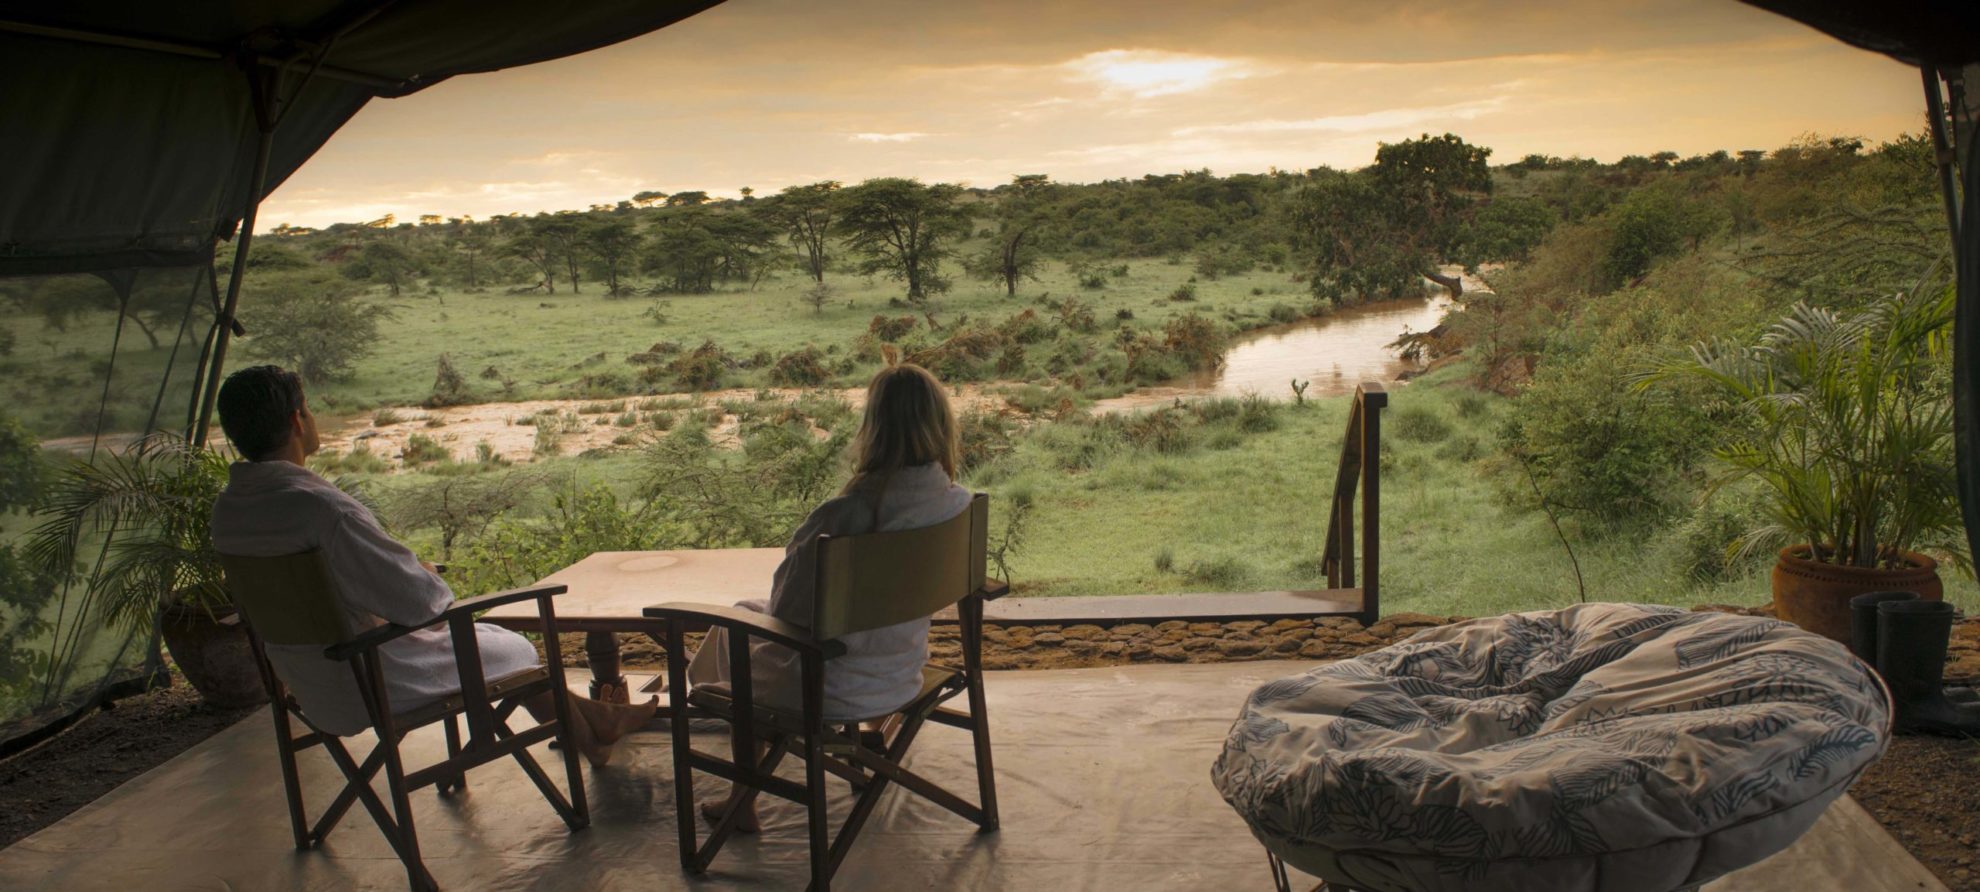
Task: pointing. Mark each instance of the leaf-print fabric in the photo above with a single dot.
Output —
(1602, 743)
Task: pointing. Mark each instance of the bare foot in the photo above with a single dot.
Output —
(604, 723)
(714, 811)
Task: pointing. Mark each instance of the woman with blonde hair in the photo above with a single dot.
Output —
(904, 478)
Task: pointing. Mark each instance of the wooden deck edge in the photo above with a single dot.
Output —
(1108, 610)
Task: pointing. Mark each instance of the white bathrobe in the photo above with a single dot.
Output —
(881, 669)
(275, 508)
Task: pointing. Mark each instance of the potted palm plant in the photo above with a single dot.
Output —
(1846, 421)
(133, 529)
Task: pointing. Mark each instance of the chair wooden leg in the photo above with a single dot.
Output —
(986, 773)
(821, 841)
(549, 790)
(407, 835)
(457, 782)
(285, 748)
(357, 785)
(683, 771)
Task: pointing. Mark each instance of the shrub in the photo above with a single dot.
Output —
(702, 368)
(1124, 314)
(985, 436)
(893, 329)
(1184, 293)
(1077, 316)
(1283, 313)
(1257, 415)
(1416, 424)
(1224, 574)
(449, 388)
(549, 436)
(1165, 560)
(1161, 430)
(386, 416)
(1025, 328)
(800, 368)
(1197, 341)
(421, 449)
(1470, 404)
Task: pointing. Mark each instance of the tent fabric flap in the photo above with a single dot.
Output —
(140, 126)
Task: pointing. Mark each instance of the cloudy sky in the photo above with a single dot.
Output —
(770, 93)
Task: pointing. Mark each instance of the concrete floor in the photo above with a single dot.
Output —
(1103, 776)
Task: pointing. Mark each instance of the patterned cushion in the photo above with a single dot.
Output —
(1610, 746)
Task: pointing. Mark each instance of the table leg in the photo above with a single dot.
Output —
(601, 650)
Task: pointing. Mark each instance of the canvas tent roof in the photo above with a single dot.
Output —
(1938, 33)
(131, 128)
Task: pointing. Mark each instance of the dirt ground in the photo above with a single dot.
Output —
(1926, 791)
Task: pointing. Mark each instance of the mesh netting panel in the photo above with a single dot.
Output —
(89, 366)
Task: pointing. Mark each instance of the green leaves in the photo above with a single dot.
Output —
(1846, 420)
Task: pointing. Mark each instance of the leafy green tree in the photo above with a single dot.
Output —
(647, 198)
(1372, 233)
(1020, 218)
(383, 260)
(613, 243)
(471, 246)
(684, 252)
(1507, 229)
(687, 199)
(310, 322)
(533, 244)
(805, 213)
(566, 234)
(904, 229)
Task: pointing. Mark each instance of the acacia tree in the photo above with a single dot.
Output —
(566, 234)
(311, 322)
(1019, 218)
(613, 243)
(805, 213)
(383, 260)
(531, 243)
(1371, 233)
(903, 228)
(470, 246)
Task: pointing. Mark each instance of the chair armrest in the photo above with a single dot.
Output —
(372, 638)
(230, 620)
(749, 622)
(993, 589)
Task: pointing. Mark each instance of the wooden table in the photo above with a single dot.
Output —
(610, 588)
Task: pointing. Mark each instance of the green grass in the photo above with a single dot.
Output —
(1252, 517)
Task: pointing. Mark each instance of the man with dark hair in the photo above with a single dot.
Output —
(273, 505)
(258, 409)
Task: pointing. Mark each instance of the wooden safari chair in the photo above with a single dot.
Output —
(291, 600)
(864, 582)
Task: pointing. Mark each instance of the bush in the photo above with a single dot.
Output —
(1283, 313)
(421, 449)
(449, 388)
(1184, 293)
(1165, 560)
(702, 368)
(1416, 424)
(985, 436)
(1221, 574)
(1077, 316)
(1197, 341)
(893, 329)
(1025, 328)
(1470, 404)
(800, 368)
(386, 416)
(1161, 430)
(1257, 415)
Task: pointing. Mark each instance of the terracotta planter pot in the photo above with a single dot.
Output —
(1815, 595)
(215, 658)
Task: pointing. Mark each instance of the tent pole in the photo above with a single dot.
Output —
(1943, 153)
(264, 116)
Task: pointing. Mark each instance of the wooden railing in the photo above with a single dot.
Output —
(1361, 461)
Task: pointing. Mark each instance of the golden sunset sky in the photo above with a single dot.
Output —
(770, 93)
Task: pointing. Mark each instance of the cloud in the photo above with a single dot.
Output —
(1146, 74)
(1367, 122)
(886, 137)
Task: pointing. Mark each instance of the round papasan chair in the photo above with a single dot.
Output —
(1611, 747)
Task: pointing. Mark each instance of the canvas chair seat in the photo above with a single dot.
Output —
(720, 698)
(520, 684)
